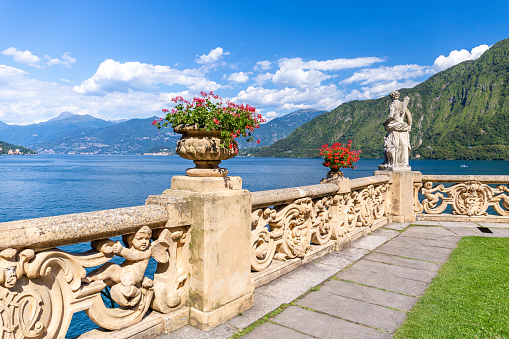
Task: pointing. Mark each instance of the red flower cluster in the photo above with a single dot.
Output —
(209, 113)
(338, 156)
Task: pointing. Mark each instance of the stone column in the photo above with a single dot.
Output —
(220, 283)
(402, 194)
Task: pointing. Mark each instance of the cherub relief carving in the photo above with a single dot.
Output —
(127, 278)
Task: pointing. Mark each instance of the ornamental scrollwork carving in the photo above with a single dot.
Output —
(472, 198)
(40, 291)
(290, 231)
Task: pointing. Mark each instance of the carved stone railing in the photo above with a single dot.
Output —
(292, 223)
(42, 286)
(456, 197)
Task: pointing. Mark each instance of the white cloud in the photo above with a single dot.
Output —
(322, 97)
(299, 77)
(21, 57)
(8, 73)
(385, 73)
(260, 79)
(239, 77)
(455, 57)
(263, 65)
(378, 90)
(114, 76)
(213, 56)
(24, 100)
(328, 65)
(65, 61)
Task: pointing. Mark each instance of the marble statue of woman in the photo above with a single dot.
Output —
(397, 140)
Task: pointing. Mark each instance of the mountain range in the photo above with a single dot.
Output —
(83, 134)
(459, 113)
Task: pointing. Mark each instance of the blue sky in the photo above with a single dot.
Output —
(127, 59)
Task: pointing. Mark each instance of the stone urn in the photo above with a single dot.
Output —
(332, 175)
(203, 147)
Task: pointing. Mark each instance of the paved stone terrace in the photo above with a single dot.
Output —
(364, 291)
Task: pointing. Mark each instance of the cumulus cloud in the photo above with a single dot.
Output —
(260, 79)
(22, 57)
(24, 100)
(322, 97)
(385, 73)
(299, 77)
(65, 61)
(378, 90)
(455, 57)
(328, 65)
(114, 76)
(239, 77)
(7, 73)
(263, 65)
(213, 56)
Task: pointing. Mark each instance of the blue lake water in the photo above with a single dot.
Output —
(47, 185)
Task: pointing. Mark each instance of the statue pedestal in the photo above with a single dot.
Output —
(399, 168)
(402, 193)
(220, 283)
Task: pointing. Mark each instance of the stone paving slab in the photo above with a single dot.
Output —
(415, 254)
(458, 224)
(262, 305)
(354, 310)
(369, 242)
(294, 284)
(369, 294)
(398, 271)
(385, 281)
(493, 225)
(272, 331)
(425, 223)
(397, 226)
(324, 326)
(464, 232)
(426, 242)
(410, 243)
(497, 233)
(433, 230)
(390, 234)
(405, 262)
(344, 258)
(222, 331)
(451, 238)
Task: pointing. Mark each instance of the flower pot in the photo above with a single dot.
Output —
(203, 147)
(332, 175)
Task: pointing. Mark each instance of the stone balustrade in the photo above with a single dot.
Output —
(462, 198)
(290, 227)
(213, 243)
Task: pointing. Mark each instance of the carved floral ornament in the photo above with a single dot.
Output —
(39, 292)
(290, 231)
(468, 198)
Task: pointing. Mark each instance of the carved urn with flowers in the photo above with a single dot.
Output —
(209, 128)
(337, 157)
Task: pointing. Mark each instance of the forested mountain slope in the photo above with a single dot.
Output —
(459, 113)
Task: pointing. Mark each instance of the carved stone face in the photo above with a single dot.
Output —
(141, 241)
(10, 277)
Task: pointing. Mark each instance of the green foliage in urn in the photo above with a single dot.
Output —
(459, 113)
(210, 113)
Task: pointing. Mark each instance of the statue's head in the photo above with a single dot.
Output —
(394, 95)
(141, 239)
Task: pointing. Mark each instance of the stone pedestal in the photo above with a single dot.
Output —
(402, 194)
(220, 283)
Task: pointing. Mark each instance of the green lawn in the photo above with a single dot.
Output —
(470, 296)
